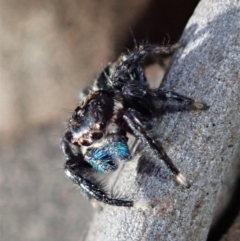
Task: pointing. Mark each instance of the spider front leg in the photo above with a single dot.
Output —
(144, 96)
(133, 120)
(78, 170)
(165, 95)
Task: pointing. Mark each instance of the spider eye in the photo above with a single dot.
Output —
(96, 135)
(86, 142)
(102, 125)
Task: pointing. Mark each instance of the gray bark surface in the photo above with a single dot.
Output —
(203, 144)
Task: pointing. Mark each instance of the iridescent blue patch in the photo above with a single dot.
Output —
(100, 159)
(120, 151)
(103, 159)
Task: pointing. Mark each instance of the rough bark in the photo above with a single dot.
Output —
(204, 145)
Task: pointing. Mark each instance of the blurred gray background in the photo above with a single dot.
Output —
(49, 51)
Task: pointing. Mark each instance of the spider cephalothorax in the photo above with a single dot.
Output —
(119, 102)
(89, 120)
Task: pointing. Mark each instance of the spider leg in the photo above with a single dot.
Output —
(140, 96)
(165, 95)
(103, 81)
(77, 170)
(132, 59)
(133, 119)
(128, 67)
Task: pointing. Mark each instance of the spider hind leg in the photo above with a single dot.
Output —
(133, 120)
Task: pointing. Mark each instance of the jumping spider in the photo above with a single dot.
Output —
(119, 102)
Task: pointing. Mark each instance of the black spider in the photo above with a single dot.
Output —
(119, 101)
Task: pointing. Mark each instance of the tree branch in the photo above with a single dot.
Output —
(203, 144)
